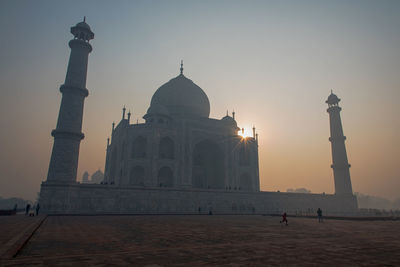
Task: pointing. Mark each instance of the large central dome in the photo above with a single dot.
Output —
(182, 97)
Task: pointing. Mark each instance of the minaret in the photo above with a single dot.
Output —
(181, 69)
(340, 164)
(68, 135)
(123, 112)
(129, 116)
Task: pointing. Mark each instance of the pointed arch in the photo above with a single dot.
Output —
(137, 175)
(165, 177)
(208, 169)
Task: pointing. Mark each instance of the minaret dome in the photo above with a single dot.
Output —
(82, 31)
(332, 100)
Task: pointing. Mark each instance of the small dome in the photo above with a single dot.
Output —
(83, 25)
(332, 99)
(182, 97)
(229, 121)
(82, 31)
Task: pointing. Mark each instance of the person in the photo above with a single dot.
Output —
(284, 219)
(32, 211)
(37, 209)
(319, 212)
(28, 207)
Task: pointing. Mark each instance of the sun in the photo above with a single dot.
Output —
(245, 132)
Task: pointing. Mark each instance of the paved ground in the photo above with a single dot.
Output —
(14, 231)
(205, 240)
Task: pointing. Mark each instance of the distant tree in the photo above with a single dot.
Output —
(85, 177)
(97, 177)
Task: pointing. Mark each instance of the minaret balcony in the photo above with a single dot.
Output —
(334, 109)
(337, 139)
(67, 134)
(77, 43)
(67, 88)
(338, 166)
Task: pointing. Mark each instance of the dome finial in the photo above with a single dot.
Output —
(84, 18)
(181, 67)
(332, 100)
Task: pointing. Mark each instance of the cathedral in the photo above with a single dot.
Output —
(179, 161)
(180, 146)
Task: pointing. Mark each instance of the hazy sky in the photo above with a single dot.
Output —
(273, 62)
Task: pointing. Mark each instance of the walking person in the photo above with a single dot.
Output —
(319, 212)
(37, 209)
(28, 207)
(284, 219)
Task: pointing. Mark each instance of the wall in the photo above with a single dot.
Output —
(110, 199)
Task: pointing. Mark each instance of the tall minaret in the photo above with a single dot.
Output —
(68, 135)
(340, 164)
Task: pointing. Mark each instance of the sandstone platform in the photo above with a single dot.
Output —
(184, 240)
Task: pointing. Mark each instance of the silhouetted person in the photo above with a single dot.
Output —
(284, 219)
(28, 207)
(37, 209)
(32, 212)
(319, 212)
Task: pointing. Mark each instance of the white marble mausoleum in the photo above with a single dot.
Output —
(178, 161)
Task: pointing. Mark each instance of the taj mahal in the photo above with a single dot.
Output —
(180, 146)
(179, 161)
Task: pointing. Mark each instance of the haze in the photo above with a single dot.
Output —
(273, 62)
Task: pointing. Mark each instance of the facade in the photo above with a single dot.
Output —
(180, 146)
(179, 161)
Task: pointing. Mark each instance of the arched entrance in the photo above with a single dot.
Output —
(136, 176)
(208, 166)
(165, 177)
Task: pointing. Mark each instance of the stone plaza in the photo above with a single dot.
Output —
(194, 240)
